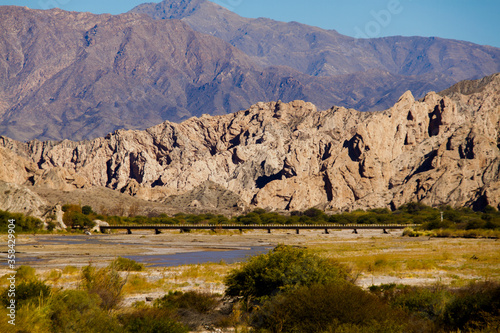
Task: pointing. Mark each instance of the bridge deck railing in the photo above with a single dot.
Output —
(269, 227)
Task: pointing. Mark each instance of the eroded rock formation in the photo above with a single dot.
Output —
(443, 149)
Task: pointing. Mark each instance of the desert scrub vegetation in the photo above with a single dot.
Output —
(337, 305)
(104, 282)
(473, 308)
(93, 307)
(24, 224)
(329, 307)
(281, 269)
(288, 289)
(210, 272)
(126, 264)
(455, 222)
(78, 217)
(449, 260)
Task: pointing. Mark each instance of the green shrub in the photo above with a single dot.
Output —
(71, 208)
(22, 223)
(473, 307)
(315, 214)
(281, 269)
(25, 273)
(87, 210)
(78, 311)
(27, 291)
(51, 226)
(125, 264)
(70, 270)
(191, 300)
(327, 307)
(425, 302)
(151, 320)
(416, 207)
(78, 220)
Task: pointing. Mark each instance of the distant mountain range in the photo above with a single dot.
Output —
(69, 75)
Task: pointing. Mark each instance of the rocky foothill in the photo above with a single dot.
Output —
(443, 149)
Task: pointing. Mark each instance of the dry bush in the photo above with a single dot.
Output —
(106, 283)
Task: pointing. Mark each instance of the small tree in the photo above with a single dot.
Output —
(283, 268)
(87, 210)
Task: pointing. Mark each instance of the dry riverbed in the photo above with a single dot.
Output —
(373, 257)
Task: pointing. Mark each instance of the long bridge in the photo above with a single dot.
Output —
(297, 227)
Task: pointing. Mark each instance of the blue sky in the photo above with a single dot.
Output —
(471, 20)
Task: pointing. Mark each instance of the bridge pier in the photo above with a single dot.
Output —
(241, 231)
(327, 232)
(385, 232)
(297, 231)
(157, 231)
(355, 231)
(129, 231)
(268, 231)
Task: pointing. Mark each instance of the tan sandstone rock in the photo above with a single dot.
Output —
(443, 149)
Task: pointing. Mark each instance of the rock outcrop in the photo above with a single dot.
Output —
(20, 199)
(443, 149)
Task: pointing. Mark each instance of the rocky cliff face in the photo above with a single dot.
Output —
(443, 149)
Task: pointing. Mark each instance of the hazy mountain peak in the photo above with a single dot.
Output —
(177, 9)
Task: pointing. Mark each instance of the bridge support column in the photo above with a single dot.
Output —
(268, 231)
(157, 231)
(297, 231)
(129, 231)
(327, 232)
(241, 231)
(355, 231)
(385, 232)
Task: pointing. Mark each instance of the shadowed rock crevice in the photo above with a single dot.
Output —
(467, 151)
(435, 120)
(262, 181)
(356, 147)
